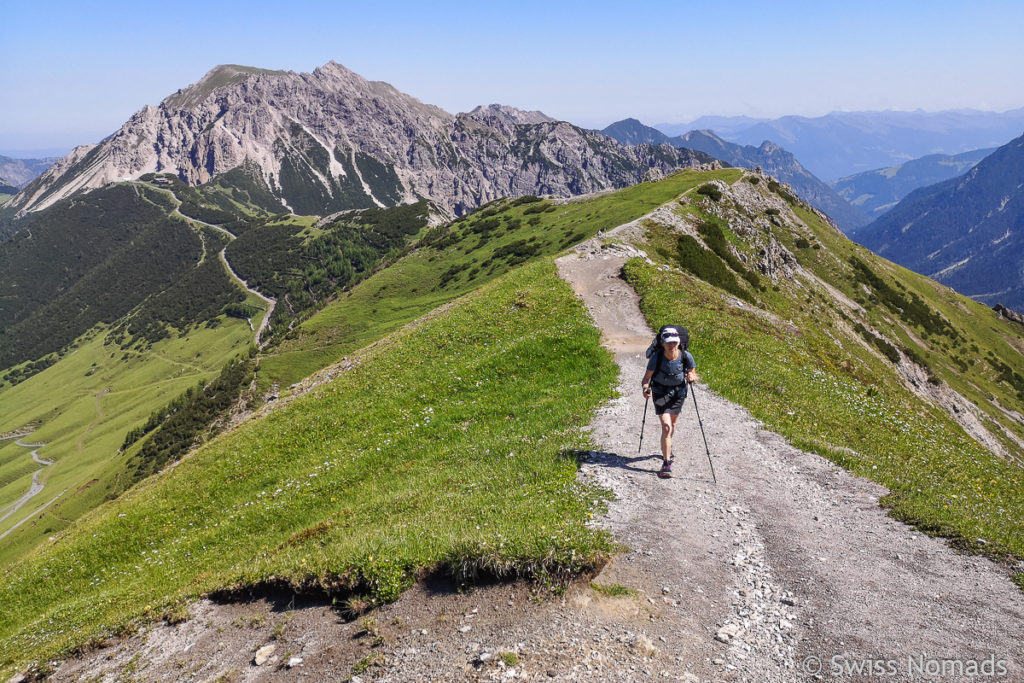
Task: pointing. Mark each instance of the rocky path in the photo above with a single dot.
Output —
(786, 570)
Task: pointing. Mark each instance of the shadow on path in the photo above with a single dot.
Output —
(604, 459)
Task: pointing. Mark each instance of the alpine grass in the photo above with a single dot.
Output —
(448, 447)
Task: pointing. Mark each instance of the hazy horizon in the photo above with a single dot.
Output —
(75, 73)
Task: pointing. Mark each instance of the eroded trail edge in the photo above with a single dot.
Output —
(787, 568)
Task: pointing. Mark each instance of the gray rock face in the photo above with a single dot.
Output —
(331, 140)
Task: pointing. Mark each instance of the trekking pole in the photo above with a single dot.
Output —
(701, 423)
(644, 422)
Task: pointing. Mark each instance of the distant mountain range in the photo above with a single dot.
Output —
(771, 158)
(19, 172)
(875, 192)
(331, 140)
(841, 144)
(725, 126)
(966, 232)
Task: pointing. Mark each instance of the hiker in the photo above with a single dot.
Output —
(669, 367)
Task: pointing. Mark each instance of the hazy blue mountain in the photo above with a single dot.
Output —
(20, 172)
(724, 126)
(875, 192)
(966, 232)
(843, 143)
(772, 159)
(632, 132)
(782, 164)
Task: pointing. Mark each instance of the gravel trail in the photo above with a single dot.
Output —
(788, 558)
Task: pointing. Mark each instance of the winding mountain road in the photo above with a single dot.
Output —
(34, 489)
(269, 301)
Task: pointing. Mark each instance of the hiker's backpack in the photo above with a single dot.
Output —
(684, 345)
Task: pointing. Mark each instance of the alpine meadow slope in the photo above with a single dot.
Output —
(883, 371)
(127, 331)
(346, 491)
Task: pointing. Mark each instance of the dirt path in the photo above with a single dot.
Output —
(794, 552)
(786, 565)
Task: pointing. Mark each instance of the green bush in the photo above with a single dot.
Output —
(711, 191)
(708, 266)
(714, 236)
(912, 308)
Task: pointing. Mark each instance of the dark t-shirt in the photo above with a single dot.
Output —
(672, 373)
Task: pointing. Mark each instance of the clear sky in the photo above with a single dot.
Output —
(73, 72)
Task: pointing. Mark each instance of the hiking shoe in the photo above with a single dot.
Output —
(666, 470)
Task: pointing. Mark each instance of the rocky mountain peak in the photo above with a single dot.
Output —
(217, 78)
(331, 140)
(509, 114)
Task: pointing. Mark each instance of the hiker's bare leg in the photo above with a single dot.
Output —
(668, 428)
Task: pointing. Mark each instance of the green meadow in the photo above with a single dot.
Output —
(449, 447)
(81, 408)
(456, 259)
(450, 444)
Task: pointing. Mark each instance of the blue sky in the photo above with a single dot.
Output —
(73, 72)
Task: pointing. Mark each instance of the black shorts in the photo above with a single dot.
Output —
(668, 399)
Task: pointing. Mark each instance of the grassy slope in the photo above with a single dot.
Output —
(299, 496)
(819, 386)
(449, 445)
(86, 403)
(66, 401)
(414, 285)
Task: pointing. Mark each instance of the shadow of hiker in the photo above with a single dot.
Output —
(605, 459)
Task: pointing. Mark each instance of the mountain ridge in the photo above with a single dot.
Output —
(769, 156)
(20, 172)
(881, 189)
(965, 232)
(332, 140)
(843, 143)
